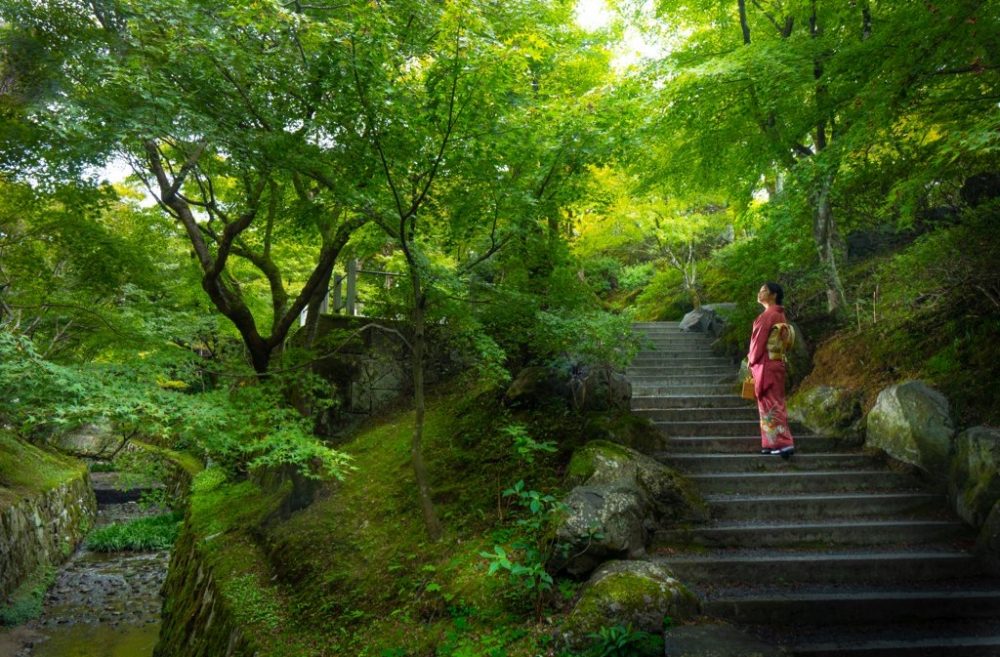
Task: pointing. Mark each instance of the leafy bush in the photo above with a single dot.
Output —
(636, 276)
(142, 534)
(664, 298)
(602, 274)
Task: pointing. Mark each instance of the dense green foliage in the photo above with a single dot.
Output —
(524, 193)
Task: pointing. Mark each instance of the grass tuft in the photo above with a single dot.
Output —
(153, 533)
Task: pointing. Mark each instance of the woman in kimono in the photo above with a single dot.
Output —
(767, 365)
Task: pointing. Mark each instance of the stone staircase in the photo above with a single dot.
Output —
(830, 553)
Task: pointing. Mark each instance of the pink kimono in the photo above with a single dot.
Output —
(769, 382)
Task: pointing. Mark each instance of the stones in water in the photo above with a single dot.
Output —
(912, 423)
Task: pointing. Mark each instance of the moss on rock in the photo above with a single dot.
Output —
(639, 594)
(828, 411)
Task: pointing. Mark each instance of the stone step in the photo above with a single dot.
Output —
(804, 444)
(659, 359)
(963, 628)
(671, 378)
(719, 463)
(691, 345)
(679, 369)
(644, 390)
(843, 532)
(960, 646)
(699, 414)
(673, 355)
(857, 567)
(835, 505)
(685, 401)
(805, 482)
(880, 604)
(712, 428)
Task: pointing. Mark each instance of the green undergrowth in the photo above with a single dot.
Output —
(25, 603)
(354, 574)
(27, 470)
(142, 534)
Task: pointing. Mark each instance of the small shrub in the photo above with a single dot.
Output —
(621, 641)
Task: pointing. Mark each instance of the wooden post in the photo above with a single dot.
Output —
(352, 285)
(337, 297)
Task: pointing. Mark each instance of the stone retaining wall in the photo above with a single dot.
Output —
(195, 620)
(43, 529)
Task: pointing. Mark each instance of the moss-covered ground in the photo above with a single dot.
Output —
(354, 573)
(27, 470)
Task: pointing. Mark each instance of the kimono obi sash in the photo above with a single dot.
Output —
(780, 340)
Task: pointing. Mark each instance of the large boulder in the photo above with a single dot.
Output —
(708, 318)
(912, 423)
(619, 497)
(602, 522)
(974, 481)
(636, 594)
(828, 411)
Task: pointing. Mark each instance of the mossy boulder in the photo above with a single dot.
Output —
(619, 497)
(829, 411)
(672, 496)
(974, 480)
(912, 423)
(638, 594)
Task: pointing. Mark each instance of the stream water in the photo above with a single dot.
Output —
(101, 604)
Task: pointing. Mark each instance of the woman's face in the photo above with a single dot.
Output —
(765, 295)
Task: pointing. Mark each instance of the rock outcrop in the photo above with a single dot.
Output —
(974, 480)
(912, 423)
(619, 496)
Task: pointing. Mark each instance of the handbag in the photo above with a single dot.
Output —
(747, 391)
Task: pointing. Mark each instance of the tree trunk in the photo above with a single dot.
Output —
(313, 309)
(416, 447)
(824, 232)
